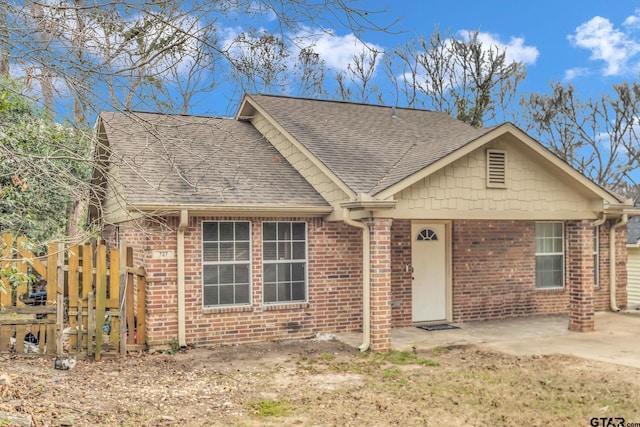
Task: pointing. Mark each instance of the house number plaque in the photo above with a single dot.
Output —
(168, 254)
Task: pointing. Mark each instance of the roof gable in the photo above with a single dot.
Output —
(379, 151)
(368, 147)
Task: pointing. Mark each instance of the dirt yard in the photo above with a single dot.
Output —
(320, 383)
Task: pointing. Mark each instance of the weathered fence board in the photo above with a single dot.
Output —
(87, 303)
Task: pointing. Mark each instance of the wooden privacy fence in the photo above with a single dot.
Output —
(78, 300)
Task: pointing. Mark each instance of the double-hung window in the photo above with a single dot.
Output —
(284, 263)
(549, 255)
(226, 263)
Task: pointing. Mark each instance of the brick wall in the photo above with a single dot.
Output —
(493, 269)
(380, 229)
(493, 277)
(334, 289)
(400, 274)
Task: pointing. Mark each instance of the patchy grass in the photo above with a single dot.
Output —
(309, 383)
(405, 358)
(269, 408)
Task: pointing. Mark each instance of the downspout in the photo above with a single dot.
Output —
(612, 261)
(366, 278)
(601, 219)
(182, 336)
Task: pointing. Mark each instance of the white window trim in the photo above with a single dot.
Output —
(564, 269)
(306, 264)
(248, 262)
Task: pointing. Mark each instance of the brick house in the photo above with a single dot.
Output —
(300, 217)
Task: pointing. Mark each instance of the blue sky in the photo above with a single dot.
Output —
(591, 44)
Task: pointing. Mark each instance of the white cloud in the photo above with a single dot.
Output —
(336, 51)
(574, 73)
(515, 49)
(615, 46)
(633, 21)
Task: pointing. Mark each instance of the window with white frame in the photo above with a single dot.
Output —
(596, 256)
(549, 255)
(284, 262)
(226, 263)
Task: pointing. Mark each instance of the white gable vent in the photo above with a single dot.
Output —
(496, 168)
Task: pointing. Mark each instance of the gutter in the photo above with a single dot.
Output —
(601, 219)
(184, 221)
(624, 219)
(366, 278)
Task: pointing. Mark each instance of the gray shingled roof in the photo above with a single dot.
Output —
(169, 160)
(633, 230)
(367, 148)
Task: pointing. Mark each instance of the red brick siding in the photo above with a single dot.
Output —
(334, 288)
(493, 275)
(493, 269)
(380, 229)
(580, 277)
(601, 294)
(401, 273)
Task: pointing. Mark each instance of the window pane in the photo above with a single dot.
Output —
(298, 250)
(210, 252)
(298, 231)
(270, 273)
(284, 272)
(242, 273)
(226, 231)
(284, 292)
(284, 250)
(269, 251)
(269, 231)
(242, 294)
(270, 292)
(210, 275)
(210, 231)
(226, 274)
(226, 294)
(284, 231)
(242, 251)
(226, 251)
(210, 295)
(297, 293)
(297, 272)
(242, 231)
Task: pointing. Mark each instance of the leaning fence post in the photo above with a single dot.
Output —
(129, 294)
(121, 297)
(101, 295)
(60, 298)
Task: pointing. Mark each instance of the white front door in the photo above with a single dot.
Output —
(429, 262)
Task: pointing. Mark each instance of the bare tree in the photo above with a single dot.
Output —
(356, 82)
(76, 58)
(598, 136)
(160, 55)
(463, 77)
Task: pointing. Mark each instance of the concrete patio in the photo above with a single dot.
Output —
(616, 339)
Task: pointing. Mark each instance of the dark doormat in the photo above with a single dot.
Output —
(440, 327)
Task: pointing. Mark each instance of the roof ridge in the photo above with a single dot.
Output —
(339, 101)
